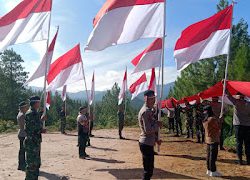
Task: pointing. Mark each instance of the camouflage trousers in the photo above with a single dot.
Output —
(33, 160)
(63, 125)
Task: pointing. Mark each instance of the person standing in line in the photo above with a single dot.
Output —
(171, 120)
(212, 134)
(32, 143)
(177, 118)
(23, 108)
(189, 119)
(241, 122)
(198, 123)
(216, 106)
(83, 130)
(121, 121)
(63, 115)
(149, 127)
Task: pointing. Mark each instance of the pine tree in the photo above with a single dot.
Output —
(12, 79)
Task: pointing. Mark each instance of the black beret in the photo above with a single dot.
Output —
(35, 99)
(207, 108)
(149, 93)
(81, 108)
(22, 104)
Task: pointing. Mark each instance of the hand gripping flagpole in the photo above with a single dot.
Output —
(162, 71)
(46, 71)
(226, 70)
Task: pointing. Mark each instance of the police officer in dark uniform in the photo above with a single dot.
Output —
(149, 126)
(32, 143)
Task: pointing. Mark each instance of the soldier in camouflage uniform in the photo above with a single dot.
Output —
(32, 143)
(177, 118)
(189, 119)
(200, 133)
(63, 120)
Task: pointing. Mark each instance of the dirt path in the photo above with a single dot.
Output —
(116, 159)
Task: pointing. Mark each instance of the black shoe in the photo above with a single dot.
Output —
(122, 137)
(86, 155)
(91, 135)
(155, 153)
(177, 135)
(82, 157)
(21, 168)
(240, 162)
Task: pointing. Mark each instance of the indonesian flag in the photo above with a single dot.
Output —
(149, 58)
(46, 61)
(27, 22)
(64, 93)
(92, 95)
(139, 86)
(48, 100)
(67, 69)
(205, 39)
(124, 88)
(124, 21)
(152, 84)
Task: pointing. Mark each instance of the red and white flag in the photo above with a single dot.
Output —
(46, 61)
(92, 94)
(205, 39)
(64, 93)
(123, 89)
(121, 21)
(149, 58)
(27, 22)
(139, 86)
(152, 85)
(67, 69)
(48, 100)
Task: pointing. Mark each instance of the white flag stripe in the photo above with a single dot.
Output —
(32, 28)
(150, 60)
(127, 24)
(216, 44)
(40, 71)
(64, 93)
(140, 89)
(74, 72)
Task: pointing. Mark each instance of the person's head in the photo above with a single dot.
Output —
(35, 102)
(120, 108)
(83, 110)
(186, 101)
(240, 96)
(63, 108)
(215, 99)
(23, 107)
(149, 98)
(208, 111)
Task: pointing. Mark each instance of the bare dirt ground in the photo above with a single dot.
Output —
(116, 159)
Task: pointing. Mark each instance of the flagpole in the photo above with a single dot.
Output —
(125, 95)
(46, 70)
(226, 69)
(162, 71)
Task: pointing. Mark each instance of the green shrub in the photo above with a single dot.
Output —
(230, 143)
(7, 126)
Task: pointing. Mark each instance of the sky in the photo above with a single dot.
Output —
(74, 17)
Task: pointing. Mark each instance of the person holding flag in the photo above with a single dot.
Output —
(149, 126)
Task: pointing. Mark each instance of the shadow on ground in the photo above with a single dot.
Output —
(110, 161)
(197, 158)
(51, 176)
(103, 149)
(137, 174)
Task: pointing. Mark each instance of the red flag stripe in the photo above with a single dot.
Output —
(69, 59)
(141, 80)
(156, 45)
(203, 29)
(114, 4)
(24, 9)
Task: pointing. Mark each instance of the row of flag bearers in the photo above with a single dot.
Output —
(117, 22)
